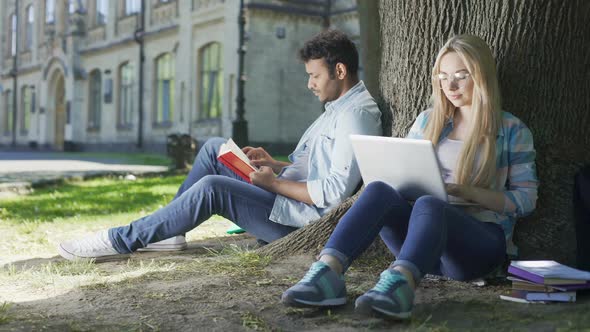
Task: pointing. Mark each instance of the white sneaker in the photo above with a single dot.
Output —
(97, 246)
(175, 243)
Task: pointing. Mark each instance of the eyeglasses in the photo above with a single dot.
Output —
(459, 77)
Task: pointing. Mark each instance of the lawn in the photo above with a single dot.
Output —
(151, 159)
(219, 284)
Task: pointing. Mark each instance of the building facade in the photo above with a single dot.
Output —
(81, 84)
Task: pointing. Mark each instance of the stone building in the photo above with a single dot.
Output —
(78, 71)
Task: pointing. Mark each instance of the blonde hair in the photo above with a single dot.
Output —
(485, 106)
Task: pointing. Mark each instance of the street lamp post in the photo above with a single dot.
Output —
(140, 39)
(240, 125)
(15, 73)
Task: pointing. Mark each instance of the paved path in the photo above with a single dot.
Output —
(21, 170)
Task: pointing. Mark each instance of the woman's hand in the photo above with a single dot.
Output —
(489, 199)
(458, 190)
(263, 178)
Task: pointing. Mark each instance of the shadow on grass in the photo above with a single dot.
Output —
(93, 198)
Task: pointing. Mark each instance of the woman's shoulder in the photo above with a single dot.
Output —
(423, 116)
(510, 120)
(513, 126)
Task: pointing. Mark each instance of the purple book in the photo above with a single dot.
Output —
(550, 273)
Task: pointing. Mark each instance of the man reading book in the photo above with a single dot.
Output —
(282, 196)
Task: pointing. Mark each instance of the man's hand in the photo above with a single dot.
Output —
(264, 178)
(259, 157)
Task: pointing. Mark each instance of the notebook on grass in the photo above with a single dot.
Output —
(408, 165)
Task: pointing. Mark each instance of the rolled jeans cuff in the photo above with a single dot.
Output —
(411, 267)
(342, 258)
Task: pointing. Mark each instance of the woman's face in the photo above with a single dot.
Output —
(455, 80)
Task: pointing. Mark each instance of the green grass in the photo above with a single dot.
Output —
(34, 224)
(253, 322)
(87, 201)
(4, 316)
(126, 158)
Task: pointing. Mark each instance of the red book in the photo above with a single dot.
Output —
(232, 156)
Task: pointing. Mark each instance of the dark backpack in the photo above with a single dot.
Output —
(582, 216)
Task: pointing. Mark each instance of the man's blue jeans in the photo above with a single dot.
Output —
(210, 188)
(430, 237)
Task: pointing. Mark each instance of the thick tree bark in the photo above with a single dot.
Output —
(309, 239)
(541, 48)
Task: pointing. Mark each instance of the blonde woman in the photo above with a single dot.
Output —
(486, 156)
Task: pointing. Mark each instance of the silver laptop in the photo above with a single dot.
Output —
(408, 165)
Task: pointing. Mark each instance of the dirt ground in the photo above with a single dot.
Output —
(216, 290)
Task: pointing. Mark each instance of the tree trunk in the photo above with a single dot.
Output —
(541, 48)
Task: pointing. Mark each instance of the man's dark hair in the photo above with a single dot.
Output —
(333, 46)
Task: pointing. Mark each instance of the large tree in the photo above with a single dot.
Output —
(542, 50)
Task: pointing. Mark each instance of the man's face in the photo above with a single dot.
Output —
(320, 83)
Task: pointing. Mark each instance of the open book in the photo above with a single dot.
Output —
(232, 156)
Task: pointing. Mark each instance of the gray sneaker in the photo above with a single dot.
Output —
(391, 296)
(175, 243)
(97, 246)
(321, 286)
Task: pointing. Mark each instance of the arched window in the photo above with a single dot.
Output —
(94, 100)
(8, 112)
(26, 109)
(12, 34)
(49, 11)
(29, 27)
(126, 98)
(211, 82)
(164, 89)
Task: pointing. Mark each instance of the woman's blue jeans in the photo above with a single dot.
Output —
(430, 237)
(210, 188)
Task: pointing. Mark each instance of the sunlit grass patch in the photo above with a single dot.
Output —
(88, 200)
(4, 315)
(238, 261)
(254, 322)
(71, 268)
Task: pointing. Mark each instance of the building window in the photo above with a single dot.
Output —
(29, 27)
(102, 11)
(132, 7)
(49, 11)
(211, 83)
(26, 109)
(126, 79)
(12, 34)
(94, 100)
(8, 112)
(164, 89)
(71, 6)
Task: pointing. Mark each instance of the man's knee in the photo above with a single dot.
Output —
(210, 147)
(211, 183)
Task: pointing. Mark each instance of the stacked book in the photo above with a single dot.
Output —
(545, 282)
